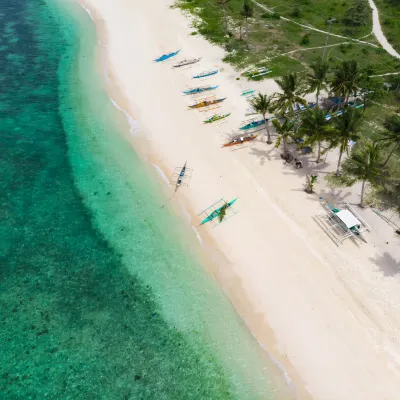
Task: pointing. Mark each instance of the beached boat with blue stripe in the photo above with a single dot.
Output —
(200, 89)
(166, 56)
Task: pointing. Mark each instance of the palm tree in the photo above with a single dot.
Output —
(292, 87)
(247, 12)
(392, 135)
(223, 3)
(284, 131)
(365, 166)
(347, 127)
(318, 79)
(262, 104)
(316, 127)
(347, 79)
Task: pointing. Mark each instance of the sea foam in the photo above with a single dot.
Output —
(133, 125)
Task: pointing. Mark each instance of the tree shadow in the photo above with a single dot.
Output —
(263, 155)
(387, 264)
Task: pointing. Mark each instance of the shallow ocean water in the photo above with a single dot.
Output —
(100, 297)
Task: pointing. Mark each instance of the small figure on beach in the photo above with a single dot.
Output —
(298, 163)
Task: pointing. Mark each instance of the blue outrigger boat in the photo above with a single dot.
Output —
(205, 74)
(252, 124)
(166, 56)
(200, 89)
(217, 212)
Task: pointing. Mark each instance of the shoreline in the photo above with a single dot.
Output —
(241, 304)
(248, 309)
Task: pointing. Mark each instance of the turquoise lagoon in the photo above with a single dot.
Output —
(101, 293)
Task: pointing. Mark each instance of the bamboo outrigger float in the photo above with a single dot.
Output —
(206, 103)
(240, 139)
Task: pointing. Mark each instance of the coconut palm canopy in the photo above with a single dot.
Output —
(317, 80)
(284, 132)
(262, 104)
(316, 128)
(346, 129)
(347, 79)
(391, 137)
(365, 166)
(292, 87)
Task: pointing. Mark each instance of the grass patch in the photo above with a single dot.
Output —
(271, 36)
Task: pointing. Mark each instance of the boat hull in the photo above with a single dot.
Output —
(252, 125)
(205, 75)
(234, 143)
(166, 56)
(206, 103)
(216, 212)
(200, 90)
(211, 120)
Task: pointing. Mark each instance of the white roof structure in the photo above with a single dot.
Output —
(342, 223)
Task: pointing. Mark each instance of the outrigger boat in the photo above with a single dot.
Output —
(180, 177)
(206, 103)
(252, 124)
(216, 117)
(240, 140)
(248, 92)
(217, 212)
(200, 89)
(205, 74)
(184, 63)
(166, 56)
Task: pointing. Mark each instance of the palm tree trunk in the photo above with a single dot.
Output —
(269, 141)
(319, 153)
(340, 159)
(226, 20)
(284, 145)
(247, 36)
(316, 98)
(390, 154)
(362, 193)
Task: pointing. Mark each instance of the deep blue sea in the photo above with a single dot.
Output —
(99, 296)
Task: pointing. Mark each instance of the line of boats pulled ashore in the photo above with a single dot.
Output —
(211, 102)
(217, 211)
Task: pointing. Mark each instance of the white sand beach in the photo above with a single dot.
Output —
(330, 315)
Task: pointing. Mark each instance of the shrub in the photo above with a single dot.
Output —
(358, 14)
(296, 13)
(305, 40)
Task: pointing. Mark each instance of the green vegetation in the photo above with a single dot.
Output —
(265, 38)
(375, 144)
(262, 104)
(364, 165)
(279, 40)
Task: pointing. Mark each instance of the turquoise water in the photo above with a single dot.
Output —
(100, 293)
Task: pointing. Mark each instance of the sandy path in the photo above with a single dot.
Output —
(325, 313)
(376, 28)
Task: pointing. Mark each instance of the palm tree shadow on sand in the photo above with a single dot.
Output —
(387, 264)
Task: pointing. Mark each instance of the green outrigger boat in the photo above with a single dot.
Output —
(216, 117)
(217, 212)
